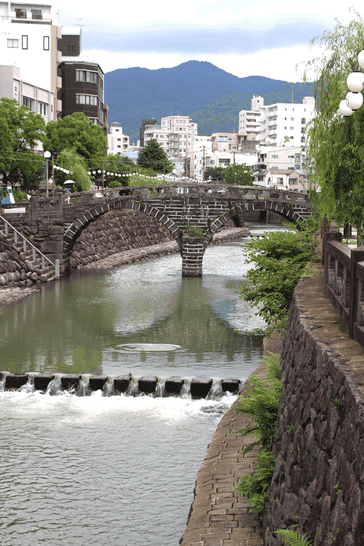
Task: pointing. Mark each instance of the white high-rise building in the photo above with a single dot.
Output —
(118, 143)
(29, 56)
(276, 124)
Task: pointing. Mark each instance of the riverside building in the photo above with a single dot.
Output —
(29, 57)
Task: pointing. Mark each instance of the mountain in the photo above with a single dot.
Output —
(209, 95)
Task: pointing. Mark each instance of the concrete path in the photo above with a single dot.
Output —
(218, 515)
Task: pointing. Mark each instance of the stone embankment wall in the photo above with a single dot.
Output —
(114, 232)
(318, 482)
(13, 270)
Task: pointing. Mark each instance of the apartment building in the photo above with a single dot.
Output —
(118, 143)
(278, 123)
(176, 134)
(275, 165)
(83, 80)
(29, 56)
(232, 142)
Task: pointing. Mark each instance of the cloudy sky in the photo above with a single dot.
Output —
(243, 37)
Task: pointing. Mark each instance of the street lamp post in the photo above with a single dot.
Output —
(47, 155)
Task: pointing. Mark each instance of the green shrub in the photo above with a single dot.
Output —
(280, 259)
(19, 195)
(293, 538)
(262, 405)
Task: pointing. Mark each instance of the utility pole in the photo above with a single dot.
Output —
(203, 163)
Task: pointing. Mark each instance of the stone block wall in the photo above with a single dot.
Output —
(318, 482)
(13, 270)
(116, 231)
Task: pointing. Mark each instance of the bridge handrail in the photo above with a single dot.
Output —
(27, 242)
(344, 282)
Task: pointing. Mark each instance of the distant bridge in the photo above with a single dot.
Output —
(192, 213)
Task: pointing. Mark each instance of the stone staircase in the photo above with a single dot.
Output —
(41, 268)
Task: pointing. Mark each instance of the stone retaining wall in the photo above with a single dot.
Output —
(13, 270)
(318, 482)
(116, 231)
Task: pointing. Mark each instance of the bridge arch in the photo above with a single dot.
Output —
(207, 210)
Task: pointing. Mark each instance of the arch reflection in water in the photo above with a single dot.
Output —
(79, 326)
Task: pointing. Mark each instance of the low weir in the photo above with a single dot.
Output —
(84, 385)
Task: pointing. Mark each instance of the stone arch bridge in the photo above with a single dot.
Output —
(192, 213)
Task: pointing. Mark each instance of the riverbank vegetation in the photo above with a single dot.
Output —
(261, 403)
(280, 259)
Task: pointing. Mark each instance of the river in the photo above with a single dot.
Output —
(118, 470)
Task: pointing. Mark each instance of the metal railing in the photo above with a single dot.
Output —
(26, 243)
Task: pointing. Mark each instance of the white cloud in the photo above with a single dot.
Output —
(128, 19)
(277, 64)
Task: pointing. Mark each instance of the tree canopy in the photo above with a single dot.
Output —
(153, 156)
(20, 131)
(239, 175)
(77, 132)
(335, 144)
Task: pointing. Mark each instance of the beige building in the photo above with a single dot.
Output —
(176, 134)
(232, 142)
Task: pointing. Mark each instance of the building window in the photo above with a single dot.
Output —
(20, 13)
(46, 43)
(303, 121)
(86, 76)
(292, 181)
(28, 102)
(43, 108)
(13, 43)
(24, 42)
(87, 99)
(37, 14)
(274, 157)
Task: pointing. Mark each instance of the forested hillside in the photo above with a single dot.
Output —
(209, 95)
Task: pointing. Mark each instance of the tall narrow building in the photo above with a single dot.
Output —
(83, 80)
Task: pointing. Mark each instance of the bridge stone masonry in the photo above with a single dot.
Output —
(192, 214)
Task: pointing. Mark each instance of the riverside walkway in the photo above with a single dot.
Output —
(218, 515)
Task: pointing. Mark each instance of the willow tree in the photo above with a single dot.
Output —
(335, 148)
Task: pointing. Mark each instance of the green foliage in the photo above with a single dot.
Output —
(115, 165)
(194, 231)
(77, 132)
(238, 174)
(154, 157)
(73, 162)
(335, 145)
(280, 259)
(254, 486)
(20, 132)
(338, 405)
(293, 538)
(262, 404)
(232, 174)
(216, 173)
(19, 195)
